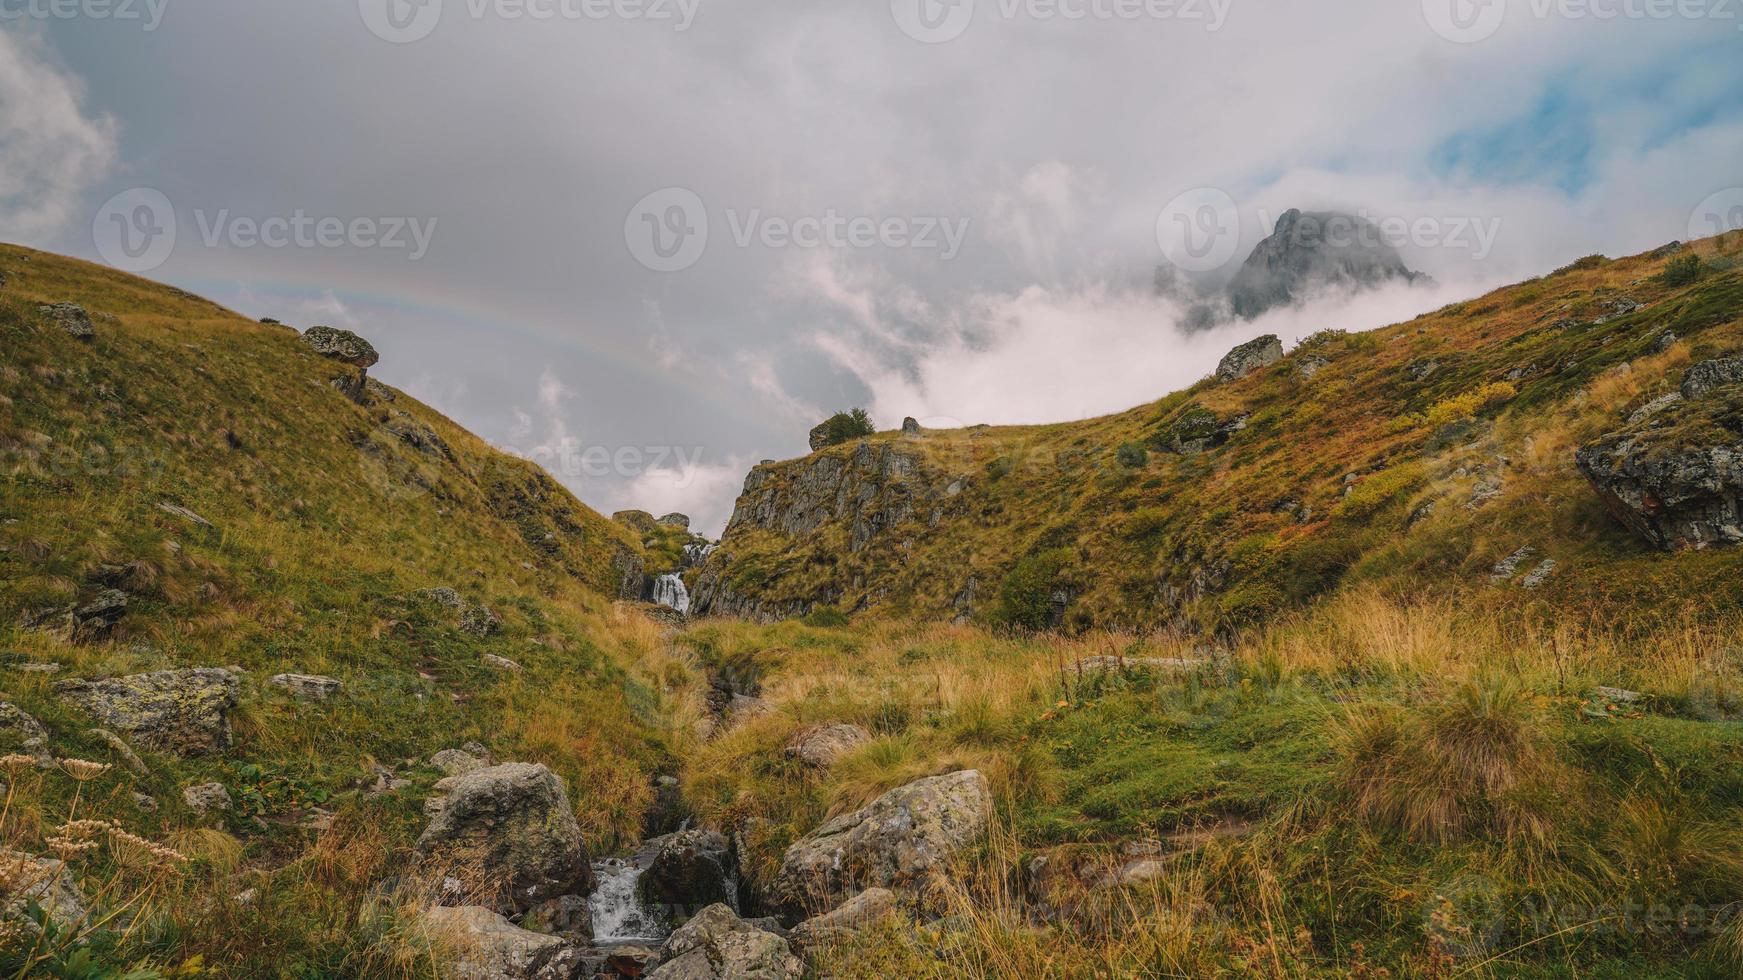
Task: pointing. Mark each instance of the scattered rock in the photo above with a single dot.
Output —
(1249, 357)
(73, 319)
(501, 663)
(179, 711)
(1538, 575)
(898, 841)
(718, 945)
(145, 801)
(1706, 377)
(1653, 407)
(1422, 370)
(910, 426)
(1666, 251)
(864, 909)
(676, 520)
(206, 797)
(509, 828)
(1676, 479)
(1155, 665)
(307, 687)
(1508, 566)
(19, 728)
(489, 947)
(185, 514)
(689, 868)
(1663, 342)
(822, 745)
(1308, 366)
(629, 960)
(115, 742)
(1617, 694)
(568, 916)
(46, 881)
(38, 668)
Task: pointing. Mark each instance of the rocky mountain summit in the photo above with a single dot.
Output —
(1312, 251)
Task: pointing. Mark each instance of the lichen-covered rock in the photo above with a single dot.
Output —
(688, 869)
(18, 730)
(486, 946)
(457, 762)
(910, 426)
(898, 841)
(181, 711)
(862, 910)
(818, 437)
(508, 829)
(568, 916)
(46, 881)
(822, 745)
(307, 687)
(676, 520)
(1249, 357)
(1707, 377)
(718, 945)
(73, 319)
(206, 797)
(1676, 477)
(341, 345)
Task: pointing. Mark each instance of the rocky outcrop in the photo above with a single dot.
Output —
(1311, 251)
(689, 868)
(818, 438)
(508, 831)
(73, 319)
(862, 910)
(676, 520)
(898, 841)
(1196, 430)
(1675, 476)
(18, 730)
(822, 745)
(485, 946)
(346, 348)
(181, 711)
(470, 617)
(718, 945)
(1249, 357)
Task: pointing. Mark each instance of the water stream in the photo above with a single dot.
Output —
(619, 916)
(669, 591)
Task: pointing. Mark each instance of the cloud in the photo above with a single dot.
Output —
(51, 149)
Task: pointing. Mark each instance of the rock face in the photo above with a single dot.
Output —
(677, 520)
(819, 436)
(181, 711)
(898, 841)
(1249, 357)
(73, 319)
(689, 868)
(1675, 477)
(342, 346)
(510, 829)
(486, 946)
(1310, 251)
(307, 687)
(822, 745)
(718, 945)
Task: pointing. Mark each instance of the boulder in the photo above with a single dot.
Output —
(864, 909)
(1706, 377)
(307, 687)
(819, 436)
(1249, 357)
(677, 520)
(73, 319)
(458, 762)
(1676, 477)
(341, 345)
(822, 745)
(690, 868)
(508, 829)
(47, 881)
(19, 730)
(910, 426)
(568, 916)
(718, 945)
(206, 797)
(898, 841)
(486, 946)
(181, 711)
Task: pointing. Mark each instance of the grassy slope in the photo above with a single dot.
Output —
(324, 523)
(1054, 505)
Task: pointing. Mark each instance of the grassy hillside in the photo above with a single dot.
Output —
(1416, 456)
(204, 465)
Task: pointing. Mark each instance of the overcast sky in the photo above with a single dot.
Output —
(676, 233)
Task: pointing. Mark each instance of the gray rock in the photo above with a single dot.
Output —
(1706, 377)
(862, 910)
(898, 841)
(718, 945)
(1653, 407)
(1308, 366)
(206, 797)
(495, 662)
(509, 828)
(120, 747)
(822, 745)
(688, 869)
(1422, 370)
(1676, 479)
(677, 520)
(21, 730)
(73, 319)
(568, 916)
(486, 946)
(819, 436)
(1311, 251)
(1507, 567)
(185, 514)
(307, 687)
(1537, 576)
(1249, 357)
(341, 345)
(47, 881)
(910, 426)
(181, 711)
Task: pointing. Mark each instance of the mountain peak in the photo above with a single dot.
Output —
(1309, 251)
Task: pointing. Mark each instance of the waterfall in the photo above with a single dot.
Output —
(697, 552)
(669, 591)
(618, 913)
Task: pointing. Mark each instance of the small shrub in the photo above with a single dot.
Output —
(1025, 597)
(826, 617)
(1580, 265)
(1132, 455)
(1469, 404)
(1683, 270)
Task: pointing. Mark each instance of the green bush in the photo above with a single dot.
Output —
(826, 617)
(1026, 596)
(1682, 271)
(1132, 455)
(844, 426)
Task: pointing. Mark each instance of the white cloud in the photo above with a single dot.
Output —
(51, 150)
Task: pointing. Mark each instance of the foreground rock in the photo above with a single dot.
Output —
(44, 880)
(900, 840)
(307, 687)
(346, 348)
(718, 945)
(18, 730)
(486, 946)
(688, 869)
(181, 711)
(508, 831)
(1249, 357)
(867, 908)
(823, 745)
